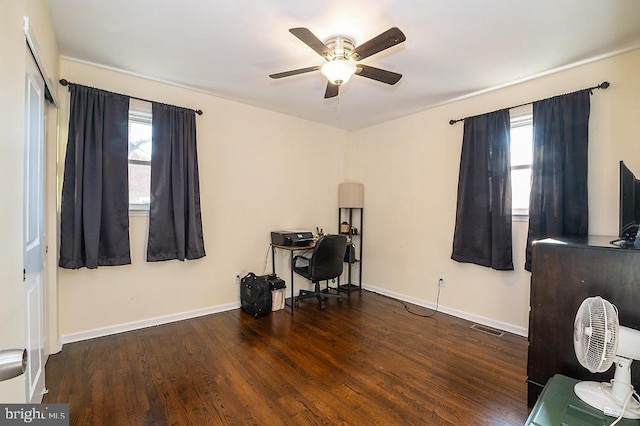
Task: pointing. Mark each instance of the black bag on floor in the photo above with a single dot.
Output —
(255, 295)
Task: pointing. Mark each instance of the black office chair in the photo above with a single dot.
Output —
(325, 263)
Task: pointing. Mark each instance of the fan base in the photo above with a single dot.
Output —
(597, 395)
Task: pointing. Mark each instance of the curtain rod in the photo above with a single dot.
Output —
(602, 85)
(66, 83)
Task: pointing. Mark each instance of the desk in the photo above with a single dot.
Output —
(291, 250)
(558, 405)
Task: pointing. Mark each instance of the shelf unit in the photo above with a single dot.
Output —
(346, 214)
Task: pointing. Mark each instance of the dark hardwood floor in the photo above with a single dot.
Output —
(366, 361)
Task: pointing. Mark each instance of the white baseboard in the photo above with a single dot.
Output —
(150, 322)
(510, 328)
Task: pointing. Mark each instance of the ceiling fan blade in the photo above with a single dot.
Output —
(383, 41)
(378, 74)
(308, 38)
(332, 91)
(294, 72)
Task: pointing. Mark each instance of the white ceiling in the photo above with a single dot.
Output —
(454, 48)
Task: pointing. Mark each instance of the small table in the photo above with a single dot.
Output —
(558, 405)
(291, 250)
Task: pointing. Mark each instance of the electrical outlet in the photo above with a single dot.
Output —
(441, 282)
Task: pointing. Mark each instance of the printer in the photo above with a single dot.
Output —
(292, 238)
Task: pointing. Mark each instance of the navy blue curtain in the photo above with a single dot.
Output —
(94, 228)
(483, 215)
(175, 220)
(559, 202)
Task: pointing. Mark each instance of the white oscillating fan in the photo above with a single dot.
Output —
(599, 341)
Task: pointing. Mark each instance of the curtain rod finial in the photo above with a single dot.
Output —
(199, 111)
(604, 85)
(64, 82)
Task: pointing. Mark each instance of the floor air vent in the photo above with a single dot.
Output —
(488, 330)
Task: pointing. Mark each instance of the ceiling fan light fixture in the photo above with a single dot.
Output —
(341, 55)
(338, 71)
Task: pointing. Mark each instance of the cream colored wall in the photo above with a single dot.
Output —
(259, 171)
(410, 167)
(253, 180)
(12, 73)
(12, 83)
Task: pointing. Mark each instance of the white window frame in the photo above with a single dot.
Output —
(520, 117)
(139, 112)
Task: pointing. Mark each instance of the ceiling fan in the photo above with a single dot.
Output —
(342, 56)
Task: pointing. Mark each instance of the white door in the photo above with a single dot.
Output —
(33, 232)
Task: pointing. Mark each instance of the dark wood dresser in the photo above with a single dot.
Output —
(564, 273)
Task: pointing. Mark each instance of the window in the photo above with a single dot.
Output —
(139, 155)
(521, 159)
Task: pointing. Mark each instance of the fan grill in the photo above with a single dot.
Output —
(595, 334)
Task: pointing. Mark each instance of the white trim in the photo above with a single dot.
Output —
(143, 76)
(136, 325)
(521, 116)
(539, 75)
(520, 217)
(138, 209)
(34, 48)
(140, 110)
(150, 322)
(510, 328)
(436, 105)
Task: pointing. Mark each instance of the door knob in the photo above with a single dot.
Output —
(13, 362)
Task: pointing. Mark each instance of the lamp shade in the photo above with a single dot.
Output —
(351, 195)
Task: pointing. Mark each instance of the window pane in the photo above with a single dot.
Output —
(139, 183)
(521, 158)
(139, 158)
(521, 145)
(520, 187)
(139, 141)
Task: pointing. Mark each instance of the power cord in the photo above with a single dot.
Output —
(632, 395)
(266, 258)
(435, 311)
(406, 307)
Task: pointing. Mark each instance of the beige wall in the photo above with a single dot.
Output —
(259, 171)
(410, 170)
(254, 179)
(12, 84)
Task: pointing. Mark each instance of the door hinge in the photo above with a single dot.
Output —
(24, 275)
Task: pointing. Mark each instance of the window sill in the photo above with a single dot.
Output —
(138, 210)
(520, 218)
